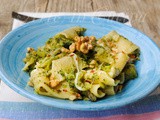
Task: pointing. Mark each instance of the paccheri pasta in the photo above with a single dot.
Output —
(72, 66)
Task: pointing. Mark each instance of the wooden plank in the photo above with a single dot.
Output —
(7, 6)
(69, 6)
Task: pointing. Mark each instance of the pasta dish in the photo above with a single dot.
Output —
(73, 66)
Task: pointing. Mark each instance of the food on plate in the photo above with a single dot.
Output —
(73, 66)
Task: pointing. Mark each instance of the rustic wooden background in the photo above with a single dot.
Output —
(144, 14)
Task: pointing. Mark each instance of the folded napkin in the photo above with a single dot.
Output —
(15, 106)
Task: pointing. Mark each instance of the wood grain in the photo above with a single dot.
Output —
(144, 14)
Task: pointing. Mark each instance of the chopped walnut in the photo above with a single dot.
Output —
(53, 82)
(84, 39)
(84, 48)
(84, 44)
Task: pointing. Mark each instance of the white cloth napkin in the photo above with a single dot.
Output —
(6, 93)
(17, 23)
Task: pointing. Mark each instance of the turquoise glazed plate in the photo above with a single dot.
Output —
(13, 48)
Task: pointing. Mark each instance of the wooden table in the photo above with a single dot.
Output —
(144, 14)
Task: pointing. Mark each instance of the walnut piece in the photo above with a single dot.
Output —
(53, 82)
(84, 44)
(84, 48)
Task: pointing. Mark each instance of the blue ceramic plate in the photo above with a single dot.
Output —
(13, 48)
